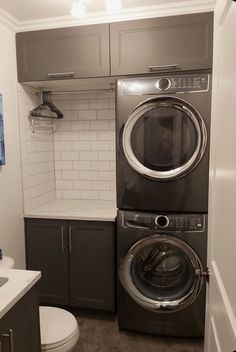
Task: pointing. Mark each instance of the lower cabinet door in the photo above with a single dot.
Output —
(91, 264)
(19, 328)
(46, 250)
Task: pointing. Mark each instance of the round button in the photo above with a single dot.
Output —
(163, 83)
(162, 221)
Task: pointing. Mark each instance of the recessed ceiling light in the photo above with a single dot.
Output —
(78, 8)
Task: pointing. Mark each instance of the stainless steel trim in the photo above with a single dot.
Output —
(161, 67)
(61, 74)
(167, 221)
(70, 240)
(164, 306)
(164, 101)
(10, 336)
(62, 240)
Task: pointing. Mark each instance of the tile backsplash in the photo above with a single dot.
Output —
(77, 161)
(84, 146)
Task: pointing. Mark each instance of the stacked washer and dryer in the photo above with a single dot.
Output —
(162, 140)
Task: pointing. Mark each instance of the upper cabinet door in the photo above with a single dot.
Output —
(75, 52)
(167, 43)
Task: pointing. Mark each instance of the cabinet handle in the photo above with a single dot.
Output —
(62, 240)
(10, 336)
(161, 67)
(61, 74)
(70, 240)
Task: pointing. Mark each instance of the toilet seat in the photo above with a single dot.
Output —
(59, 329)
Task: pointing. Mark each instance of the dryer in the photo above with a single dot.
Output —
(161, 272)
(162, 139)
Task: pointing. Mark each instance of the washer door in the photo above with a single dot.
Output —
(162, 273)
(164, 138)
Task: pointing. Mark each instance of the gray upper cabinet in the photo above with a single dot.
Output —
(179, 43)
(75, 52)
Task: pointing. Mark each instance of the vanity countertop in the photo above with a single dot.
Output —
(74, 209)
(19, 282)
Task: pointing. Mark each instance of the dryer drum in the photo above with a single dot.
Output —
(164, 138)
(162, 273)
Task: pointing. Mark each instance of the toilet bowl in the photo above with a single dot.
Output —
(58, 328)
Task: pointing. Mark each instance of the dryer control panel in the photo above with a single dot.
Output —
(164, 222)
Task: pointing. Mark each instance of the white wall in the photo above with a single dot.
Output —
(11, 210)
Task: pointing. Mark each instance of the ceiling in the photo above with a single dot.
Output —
(31, 10)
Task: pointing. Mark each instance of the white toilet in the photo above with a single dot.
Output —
(58, 328)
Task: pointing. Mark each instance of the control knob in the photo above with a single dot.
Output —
(163, 83)
(162, 221)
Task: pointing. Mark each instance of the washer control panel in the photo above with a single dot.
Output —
(165, 84)
(164, 222)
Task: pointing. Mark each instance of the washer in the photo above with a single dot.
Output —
(161, 272)
(162, 138)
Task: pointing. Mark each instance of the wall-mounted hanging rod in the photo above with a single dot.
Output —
(59, 92)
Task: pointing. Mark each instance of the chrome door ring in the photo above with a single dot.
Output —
(148, 105)
(164, 306)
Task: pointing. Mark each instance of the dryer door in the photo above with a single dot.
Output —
(164, 138)
(162, 273)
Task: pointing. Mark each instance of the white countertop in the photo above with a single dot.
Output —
(20, 281)
(73, 209)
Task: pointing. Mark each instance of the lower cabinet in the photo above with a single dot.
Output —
(19, 328)
(76, 259)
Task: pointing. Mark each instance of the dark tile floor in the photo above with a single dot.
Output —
(102, 335)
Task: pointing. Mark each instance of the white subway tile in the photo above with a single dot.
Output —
(58, 175)
(104, 155)
(88, 175)
(100, 165)
(99, 104)
(68, 135)
(106, 135)
(42, 199)
(82, 165)
(107, 195)
(58, 194)
(70, 175)
(111, 104)
(87, 115)
(63, 165)
(100, 145)
(57, 155)
(71, 194)
(100, 185)
(80, 126)
(35, 180)
(88, 135)
(79, 104)
(82, 185)
(70, 155)
(62, 145)
(62, 184)
(88, 155)
(99, 125)
(107, 175)
(81, 145)
(70, 115)
(112, 165)
(112, 125)
(108, 114)
(62, 125)
(104, 95)
(113, 185)
(89, 195)
(112, 145)
(41, 189)
(63, 105)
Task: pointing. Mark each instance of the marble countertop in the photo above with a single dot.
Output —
(73, 209)
(19, 282)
